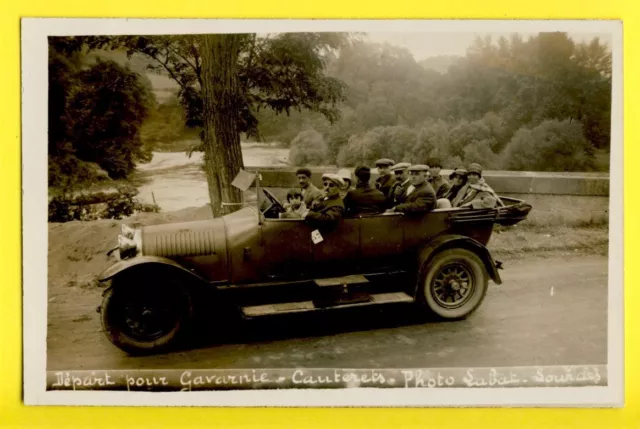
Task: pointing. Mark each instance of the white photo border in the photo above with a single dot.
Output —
(34, 179)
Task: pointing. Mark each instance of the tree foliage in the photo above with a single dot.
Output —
(96, 111)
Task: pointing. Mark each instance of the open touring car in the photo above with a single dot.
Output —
(252, 261)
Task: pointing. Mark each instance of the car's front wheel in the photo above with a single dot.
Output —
(453, 283)
(143, 316)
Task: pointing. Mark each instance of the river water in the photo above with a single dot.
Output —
(176, 181)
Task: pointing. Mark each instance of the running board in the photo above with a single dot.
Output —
(306, 306)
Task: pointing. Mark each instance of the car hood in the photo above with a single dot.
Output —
(184, 239)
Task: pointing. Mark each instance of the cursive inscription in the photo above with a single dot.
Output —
(66, 379)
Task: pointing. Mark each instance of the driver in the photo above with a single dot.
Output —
(327, 211)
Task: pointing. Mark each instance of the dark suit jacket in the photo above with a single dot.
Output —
(384, 184)
(421, 199)
(325, 213)
(398, 192)
(364, 199)
(440, 186)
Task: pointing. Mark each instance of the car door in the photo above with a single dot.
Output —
(381, 242)
(339, 251)
(288, 249)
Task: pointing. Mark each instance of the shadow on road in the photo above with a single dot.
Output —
(232, 329)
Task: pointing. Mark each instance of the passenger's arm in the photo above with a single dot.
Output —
(425, 201)
(331, 215)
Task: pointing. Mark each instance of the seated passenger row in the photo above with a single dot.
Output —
(416, 188)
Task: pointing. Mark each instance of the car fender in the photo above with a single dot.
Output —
(128, 264)
(449, 241)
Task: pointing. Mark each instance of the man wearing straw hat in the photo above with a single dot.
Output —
(326, 212)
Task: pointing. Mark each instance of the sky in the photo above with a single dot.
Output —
(425, 45)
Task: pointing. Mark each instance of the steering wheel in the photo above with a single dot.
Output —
(275, 204)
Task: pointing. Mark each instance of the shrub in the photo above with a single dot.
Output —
(551, 146)
(308, 148)
(100, 205)
(480, 151)
(396, 142)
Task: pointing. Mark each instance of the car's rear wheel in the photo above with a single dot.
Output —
(453, 283)
(145, 315)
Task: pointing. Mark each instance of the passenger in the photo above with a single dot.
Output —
(346, 176)
(399, 189)
(458, 179)
(437, 182)
(309, 191)
(420, 195)
(385, 181)
(364, 199)
(326, 212)
(476, 193)
(295, 207)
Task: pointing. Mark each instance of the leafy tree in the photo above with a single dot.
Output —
(280, 72)
(108, 106)
(95, 114)
(308, 148)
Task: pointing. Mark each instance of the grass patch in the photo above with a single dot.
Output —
(521, 240)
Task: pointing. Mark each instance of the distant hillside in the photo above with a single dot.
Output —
(440, 63)
(163, 85)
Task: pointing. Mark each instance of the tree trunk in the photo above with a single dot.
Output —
(220, 98)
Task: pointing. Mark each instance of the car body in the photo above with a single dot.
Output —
(263, 265)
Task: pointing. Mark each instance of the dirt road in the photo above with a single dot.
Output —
(548, 311)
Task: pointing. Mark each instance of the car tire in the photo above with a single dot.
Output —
(128, 305)
(453, 283)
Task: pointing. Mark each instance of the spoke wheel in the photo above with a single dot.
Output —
(452, 283)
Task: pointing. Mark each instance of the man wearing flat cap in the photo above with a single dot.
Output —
(364, 199)
(437, 182)
(326, 212)
(420, 195)
(399, 189)
(309, 192)
(476, 193)
(385, 179)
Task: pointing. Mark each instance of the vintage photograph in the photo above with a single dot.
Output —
(330, 210)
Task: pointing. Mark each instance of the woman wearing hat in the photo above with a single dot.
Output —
(328, 210)
(458, 179)
(477, 193)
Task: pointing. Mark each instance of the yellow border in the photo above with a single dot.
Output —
(14, 414)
